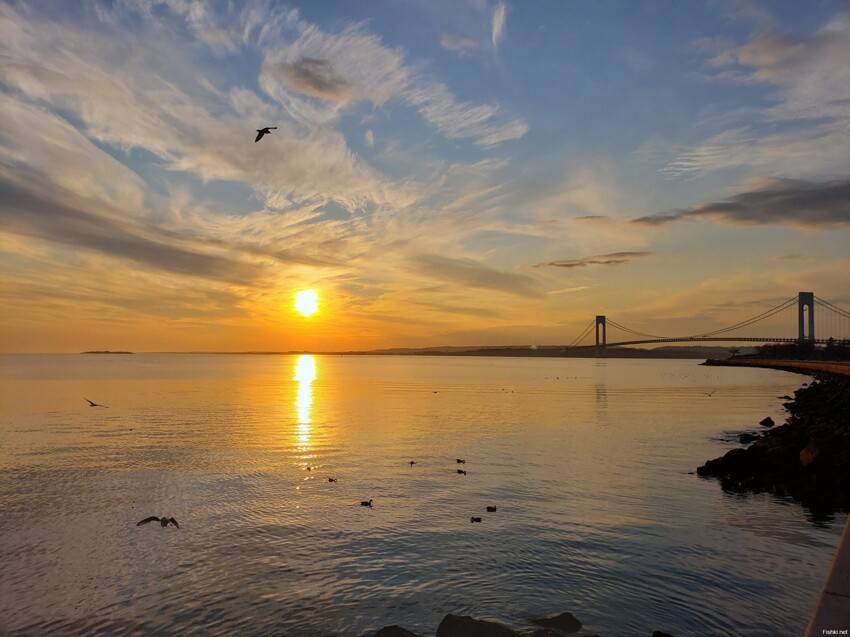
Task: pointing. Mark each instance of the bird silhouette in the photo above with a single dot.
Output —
(460, 460)
(710, 393)
(331, 479)
(263, 131)
(475, 520)
(491, 509)
(363, 503)
(461, 471)
(94, 404)
(163, 521)
(412, 462)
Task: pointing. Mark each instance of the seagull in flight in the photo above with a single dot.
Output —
(94, 404)
(263, 131)
(163, 521)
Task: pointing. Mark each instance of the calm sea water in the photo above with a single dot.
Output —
(588, 462)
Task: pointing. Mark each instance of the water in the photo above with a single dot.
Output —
(588, 462)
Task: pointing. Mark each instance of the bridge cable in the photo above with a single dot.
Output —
(583, 335)
(832, 307)
(750, 321)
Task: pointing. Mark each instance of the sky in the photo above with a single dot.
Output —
(443, 172)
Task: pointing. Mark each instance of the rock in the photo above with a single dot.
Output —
(463, 626)
(565, 622)
(767, 422)
(394, 631)
(809, 453)
(746, 437)
(545, 632)
(658, 633)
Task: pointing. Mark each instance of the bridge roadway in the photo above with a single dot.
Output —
(718, 339)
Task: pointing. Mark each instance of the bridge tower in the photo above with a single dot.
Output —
(806, 300)
(600, 345)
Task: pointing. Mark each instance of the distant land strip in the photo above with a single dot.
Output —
(524, 351)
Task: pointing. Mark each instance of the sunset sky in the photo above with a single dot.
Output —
(444, 172)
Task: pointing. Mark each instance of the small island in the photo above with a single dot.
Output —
(105, 351)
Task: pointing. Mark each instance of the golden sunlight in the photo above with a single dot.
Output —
(305, 374)
(306, 302)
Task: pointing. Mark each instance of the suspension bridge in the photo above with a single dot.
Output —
(805, 318)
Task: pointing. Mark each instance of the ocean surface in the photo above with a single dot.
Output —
(588, 462)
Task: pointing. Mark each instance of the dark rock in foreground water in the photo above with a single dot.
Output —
(658, 633)
(462, 626)
(808, 458)
(767, 422)
(394, 631)
(565, 622)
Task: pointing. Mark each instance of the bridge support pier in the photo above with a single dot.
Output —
(600, 345)
(806, 300)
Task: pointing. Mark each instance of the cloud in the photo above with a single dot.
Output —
(69, 222)
(314, 77)
(369, 138)
(806, 82)
(457, 44)
(778, 202)
(615, 258)
(499, 19)
(472, 274)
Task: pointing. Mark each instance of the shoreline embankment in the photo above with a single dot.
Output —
(800, 367)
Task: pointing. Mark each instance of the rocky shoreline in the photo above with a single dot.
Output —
(463, 626)
(807, 458)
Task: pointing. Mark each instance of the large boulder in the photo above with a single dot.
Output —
(565, 622)
(394, 631)
(767, 422)
(463, 626)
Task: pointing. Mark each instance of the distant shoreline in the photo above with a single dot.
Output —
(519, 351)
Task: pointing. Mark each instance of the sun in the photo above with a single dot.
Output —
(307, 302)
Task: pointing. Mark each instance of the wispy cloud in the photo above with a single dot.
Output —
(457, 44)
(615, 258)
(499, 21)
(470, 273)
(778, 201)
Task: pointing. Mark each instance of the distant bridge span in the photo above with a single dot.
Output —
(798, 317)
(724, 339)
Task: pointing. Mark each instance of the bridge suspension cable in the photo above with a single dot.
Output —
(755, 319)
(750, 321)
(832, 307)
(578, 339)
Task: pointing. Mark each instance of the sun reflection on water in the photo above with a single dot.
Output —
(305, 374)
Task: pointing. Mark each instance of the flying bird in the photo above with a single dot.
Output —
(263, 131)
(163, 521)
(94, 404)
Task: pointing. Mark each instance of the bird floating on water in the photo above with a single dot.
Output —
(94, 404)
(491, 509)
(473, 520)
(264, 131)
(163, 521)
(363, 503)
(461, 471)
(711, 392)
(412, 462)
(331, 479)
(460, 460)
